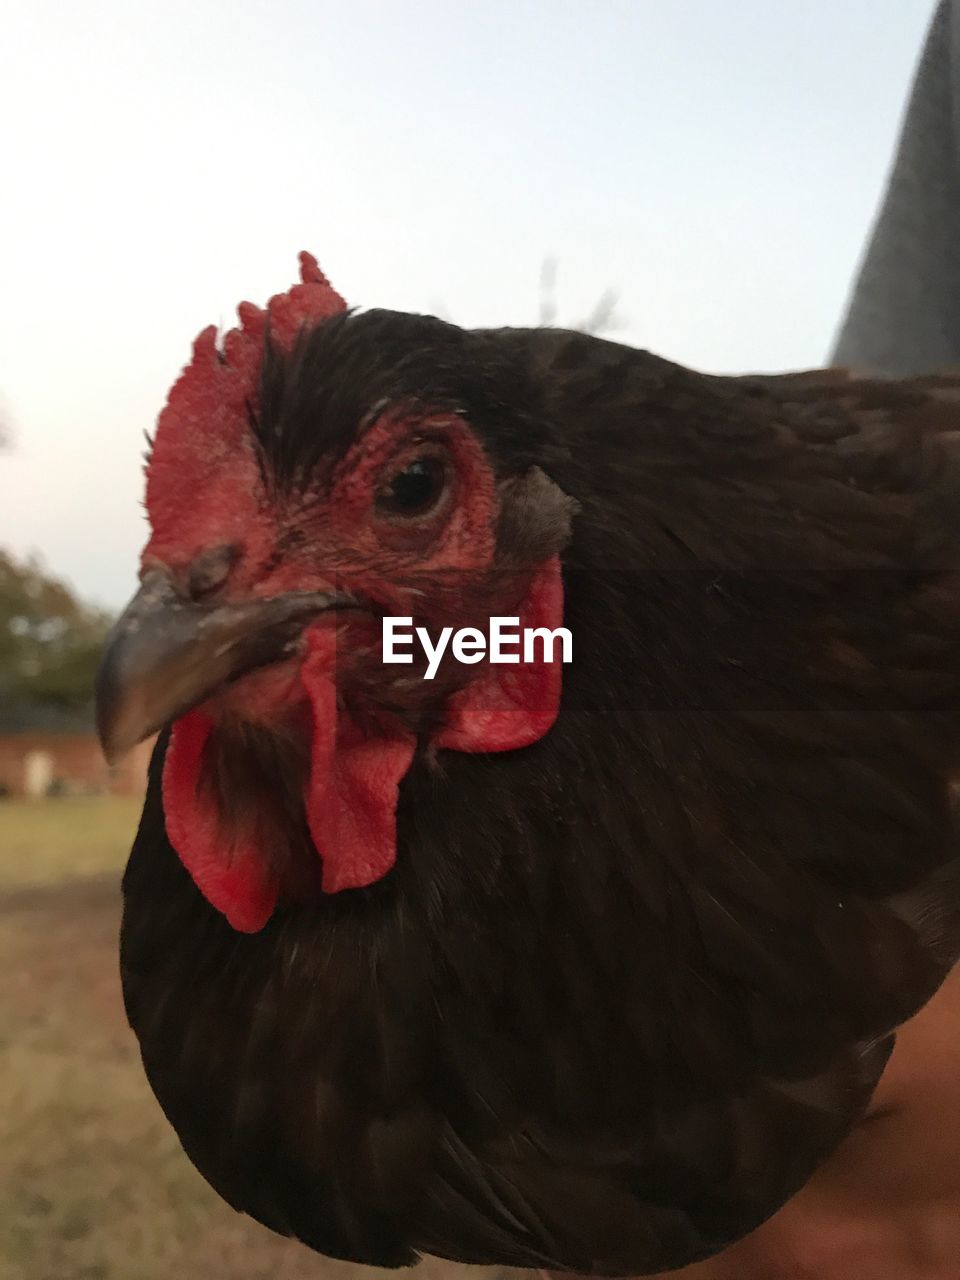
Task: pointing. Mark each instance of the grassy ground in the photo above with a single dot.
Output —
(56, 841)
(93, 1185)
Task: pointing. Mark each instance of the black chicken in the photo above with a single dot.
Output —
(425, 966)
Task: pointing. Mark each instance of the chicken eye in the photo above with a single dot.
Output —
(415, 490)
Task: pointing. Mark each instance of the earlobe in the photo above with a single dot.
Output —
(509, 707)
(535, 518)
(506, 708)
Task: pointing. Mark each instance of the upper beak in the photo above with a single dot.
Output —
(165, 653)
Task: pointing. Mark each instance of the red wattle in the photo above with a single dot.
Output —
(354, 781)
(230, 871)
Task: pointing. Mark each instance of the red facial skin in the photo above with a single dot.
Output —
(205, 490)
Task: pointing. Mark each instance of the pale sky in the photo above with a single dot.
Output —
(718, 164)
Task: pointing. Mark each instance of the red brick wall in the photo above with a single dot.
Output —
(77, 761)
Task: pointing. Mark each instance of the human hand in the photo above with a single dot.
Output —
(886, 1206)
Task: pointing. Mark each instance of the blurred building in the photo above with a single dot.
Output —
(48, 751)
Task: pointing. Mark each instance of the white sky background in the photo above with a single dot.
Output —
(717, 163)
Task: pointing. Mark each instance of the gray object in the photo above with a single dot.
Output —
(903, 316)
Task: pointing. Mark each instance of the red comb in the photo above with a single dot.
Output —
(203, 448)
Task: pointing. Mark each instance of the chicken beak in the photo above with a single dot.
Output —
(165, 653)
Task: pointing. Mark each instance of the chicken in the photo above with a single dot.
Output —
(582, 966)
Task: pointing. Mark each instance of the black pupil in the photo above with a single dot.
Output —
(415, 489)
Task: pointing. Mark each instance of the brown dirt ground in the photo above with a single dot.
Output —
(93, 1185)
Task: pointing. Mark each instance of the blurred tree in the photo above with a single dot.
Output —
(548, 291)
(6, 432)
(603, 318)
(49, 640)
